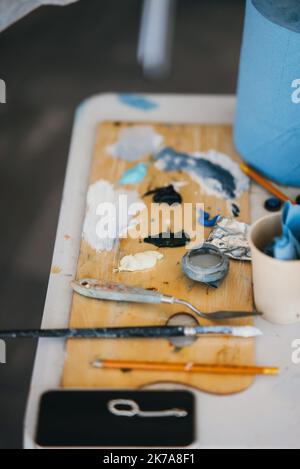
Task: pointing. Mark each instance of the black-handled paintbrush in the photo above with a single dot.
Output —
(149, 332)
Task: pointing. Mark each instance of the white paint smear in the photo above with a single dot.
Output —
(110, 213)
(140, 261)
(135, 143)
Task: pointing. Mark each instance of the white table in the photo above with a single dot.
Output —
(267, 414)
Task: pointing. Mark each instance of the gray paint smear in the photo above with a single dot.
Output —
(214, 171)
(136, 142)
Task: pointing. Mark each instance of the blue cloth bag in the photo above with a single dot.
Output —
(267, 127)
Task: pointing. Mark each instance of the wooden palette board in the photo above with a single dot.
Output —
(234, 294)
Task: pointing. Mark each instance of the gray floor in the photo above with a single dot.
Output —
(51, 61)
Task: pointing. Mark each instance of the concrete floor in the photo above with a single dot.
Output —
(51, 61)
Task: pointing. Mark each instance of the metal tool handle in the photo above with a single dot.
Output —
(112, 291)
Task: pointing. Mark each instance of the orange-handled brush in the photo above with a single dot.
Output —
(184, 367)
(266, 184)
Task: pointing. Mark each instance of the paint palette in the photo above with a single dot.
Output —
(165, 155)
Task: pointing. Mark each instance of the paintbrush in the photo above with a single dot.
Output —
(148, 332)
(184, 367)
(266, 184)
(112, 291)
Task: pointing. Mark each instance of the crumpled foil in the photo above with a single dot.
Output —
(231, 237)
(12, 10)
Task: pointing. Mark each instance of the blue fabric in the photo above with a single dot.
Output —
(267, 128)
(283, 12)
(287, 247)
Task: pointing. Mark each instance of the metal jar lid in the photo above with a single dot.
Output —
(206, 264)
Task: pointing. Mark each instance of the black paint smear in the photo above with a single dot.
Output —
(235, 210)
(168, 240)
(165, 195)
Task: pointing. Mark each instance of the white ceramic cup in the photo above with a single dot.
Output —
(276, 282)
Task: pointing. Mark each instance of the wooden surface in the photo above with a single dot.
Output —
(234, 294)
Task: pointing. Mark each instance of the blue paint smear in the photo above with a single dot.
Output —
(139, 102)
(204, 169)
(205, 219)
(134, 175)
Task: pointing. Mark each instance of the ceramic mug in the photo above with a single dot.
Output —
(276, 282)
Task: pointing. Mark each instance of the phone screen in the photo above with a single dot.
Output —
(102, 419)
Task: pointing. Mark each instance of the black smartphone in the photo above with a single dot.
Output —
(90, 418)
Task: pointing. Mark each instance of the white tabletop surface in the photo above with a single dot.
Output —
(267, 415)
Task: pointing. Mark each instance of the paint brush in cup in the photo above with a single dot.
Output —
(264, 183)
(184, 367)
(148, 332)
(112, 291)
